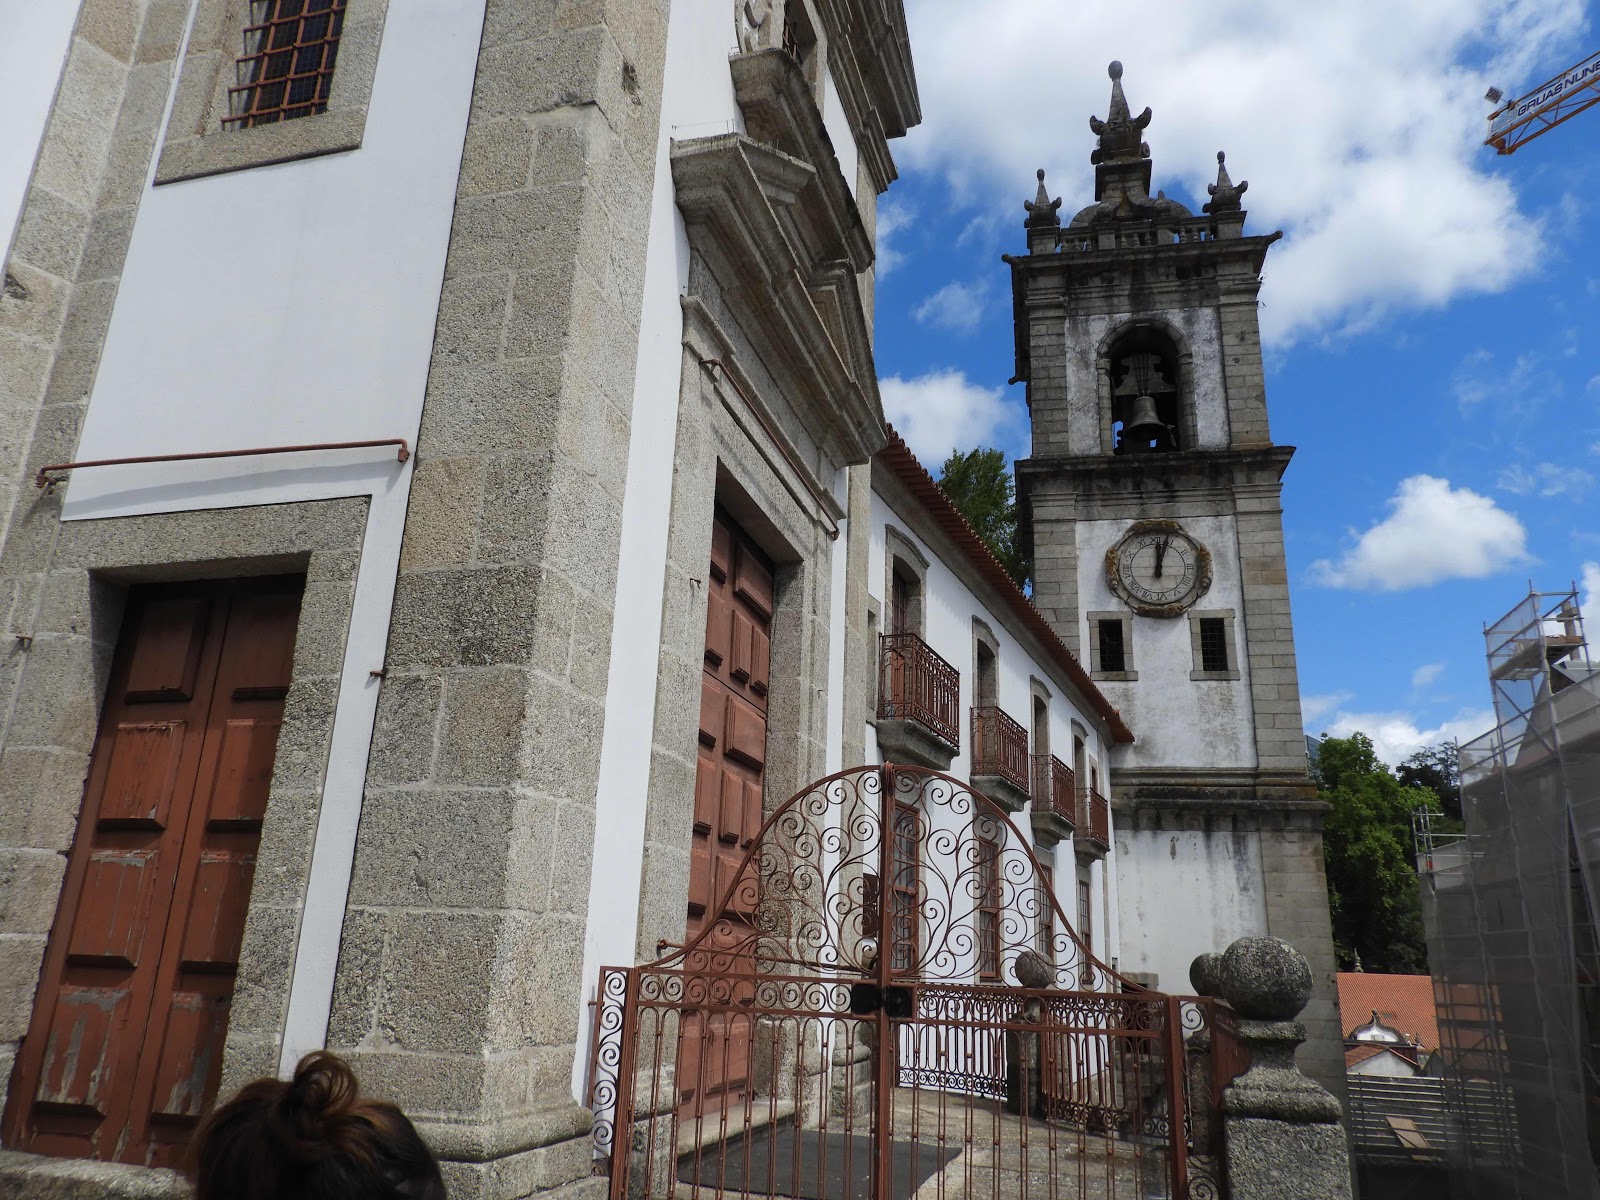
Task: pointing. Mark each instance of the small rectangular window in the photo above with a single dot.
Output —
(1085, 912)
(286, 69)
(1213, 644)
(1113, 657)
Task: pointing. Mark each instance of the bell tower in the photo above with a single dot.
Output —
(1151, 503)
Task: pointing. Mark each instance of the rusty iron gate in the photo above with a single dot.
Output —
(911, 1014)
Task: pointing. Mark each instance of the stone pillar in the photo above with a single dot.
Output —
(1283, 1132)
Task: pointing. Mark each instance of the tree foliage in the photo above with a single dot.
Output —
(1438, 769)
(979, 484)
(1372, 881)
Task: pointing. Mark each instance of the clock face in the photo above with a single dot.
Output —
(1157, 569)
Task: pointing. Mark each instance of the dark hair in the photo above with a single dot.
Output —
(312, 1138)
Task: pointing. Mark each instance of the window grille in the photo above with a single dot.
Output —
(1213, 644)
(1047, 912)
(1113, 656)
(286, 69)
(988, 909)
(1085, 912)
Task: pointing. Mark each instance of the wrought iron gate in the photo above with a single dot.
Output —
(921, 1020)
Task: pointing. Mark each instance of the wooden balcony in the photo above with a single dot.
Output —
(1094, 825)
(1054, 807)
(999, 757)
(919, 703)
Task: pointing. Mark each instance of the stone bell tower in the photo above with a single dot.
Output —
(1152, 503)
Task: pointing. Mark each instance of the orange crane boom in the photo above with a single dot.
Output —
(1546, 106)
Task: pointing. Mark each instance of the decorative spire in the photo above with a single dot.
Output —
(1225, 197)
(1042, 209)
(1119, 132)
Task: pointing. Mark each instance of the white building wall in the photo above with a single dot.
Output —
(33, 51)
(1212, 892)
(949, 607)
(1178, 722)
(838, 127)
(285, 305)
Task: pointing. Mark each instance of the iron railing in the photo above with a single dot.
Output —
(915, 684)
(999, 745)
(1053, 786)
(1094, 819)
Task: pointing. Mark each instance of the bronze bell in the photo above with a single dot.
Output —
(1145, 426)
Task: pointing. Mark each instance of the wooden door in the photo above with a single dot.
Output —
(714, 1050)
(124, 1051)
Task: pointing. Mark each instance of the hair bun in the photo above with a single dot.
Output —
(320, 1097)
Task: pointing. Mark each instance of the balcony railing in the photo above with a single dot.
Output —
(1094, 818)
(1053, 786)
(915, 684)
(999, 746)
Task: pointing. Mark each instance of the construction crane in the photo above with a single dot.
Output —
(1546, 106)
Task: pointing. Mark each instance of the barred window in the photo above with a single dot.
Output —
(988, 909)
(904, 888)
(1213, 644)
(286, 69)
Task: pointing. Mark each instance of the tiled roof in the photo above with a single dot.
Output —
(1403, 1002)
(1360, 1054)
(897, 456)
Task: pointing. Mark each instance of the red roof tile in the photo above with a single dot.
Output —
(1403, 1002)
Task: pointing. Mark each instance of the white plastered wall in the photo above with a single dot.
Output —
(286, 305)
(948, 609)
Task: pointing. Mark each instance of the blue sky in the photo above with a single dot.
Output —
(1429, 316)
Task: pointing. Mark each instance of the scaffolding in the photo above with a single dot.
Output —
(1510, 909)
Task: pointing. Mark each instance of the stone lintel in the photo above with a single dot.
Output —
(913, 742)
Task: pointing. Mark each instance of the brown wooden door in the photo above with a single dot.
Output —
(124, 1050)
(714, 1050)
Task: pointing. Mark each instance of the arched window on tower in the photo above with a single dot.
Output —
(1145, 402)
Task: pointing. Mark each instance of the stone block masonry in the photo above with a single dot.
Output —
(459, 976)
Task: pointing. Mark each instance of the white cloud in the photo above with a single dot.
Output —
(1397, 735)
(942, 411)
(957, 307)
(1427, 674)
(1590, 601)
(1312, 708)
(1350, 121)
(1546, 479)
(1433, 532)
(893, 216)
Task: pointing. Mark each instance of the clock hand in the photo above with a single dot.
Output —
(1161, 553)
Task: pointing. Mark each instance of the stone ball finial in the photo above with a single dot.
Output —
(1221, 158)
(1205, 974)
(1115, 69)
(1265, 979)
(1039, 174)
(1033, 970)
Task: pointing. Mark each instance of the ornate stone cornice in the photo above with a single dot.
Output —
(779, 109)
(869, 57)
(731, 189)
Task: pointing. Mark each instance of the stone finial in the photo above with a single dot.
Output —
(1033, 970)
(1224, 195)
(1265, 979)
(1042, 209)
(1205, 974)
(1119, 132)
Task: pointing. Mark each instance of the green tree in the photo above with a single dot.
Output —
(1438, 769)
(1372, 880)
(980, 486)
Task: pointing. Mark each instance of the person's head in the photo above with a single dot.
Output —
(312, 1138)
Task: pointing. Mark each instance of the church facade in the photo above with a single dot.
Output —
(447, 505)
